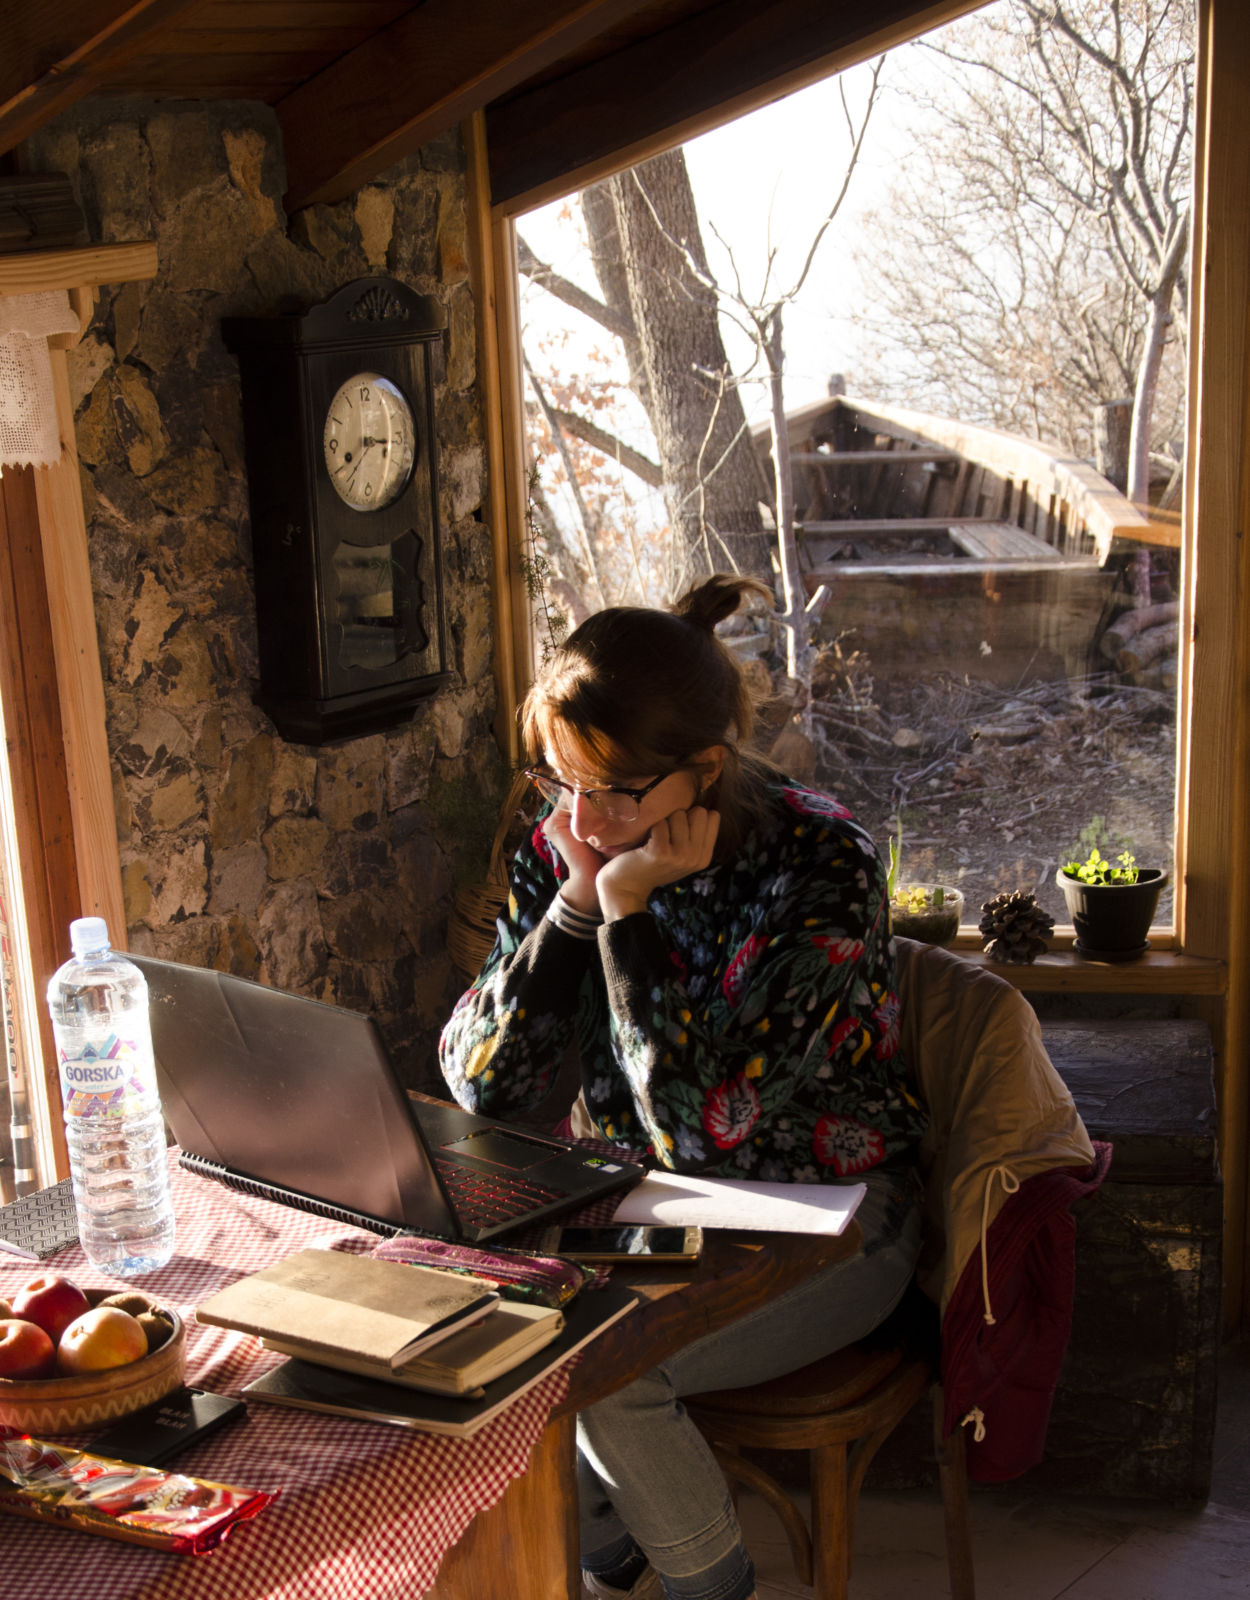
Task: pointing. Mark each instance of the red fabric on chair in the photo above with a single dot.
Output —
(1007, 1369)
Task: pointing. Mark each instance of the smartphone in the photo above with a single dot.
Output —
(148, 1438)
(597, 1245)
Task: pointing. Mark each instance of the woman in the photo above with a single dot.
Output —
(715, 939)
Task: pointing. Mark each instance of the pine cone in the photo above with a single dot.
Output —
(1014, 928)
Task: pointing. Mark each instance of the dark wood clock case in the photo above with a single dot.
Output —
(349, 603)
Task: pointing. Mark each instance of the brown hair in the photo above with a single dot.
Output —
(636, 691)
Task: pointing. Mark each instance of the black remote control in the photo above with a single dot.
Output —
(152, 1436)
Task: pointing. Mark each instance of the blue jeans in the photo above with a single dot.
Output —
(647, 1480)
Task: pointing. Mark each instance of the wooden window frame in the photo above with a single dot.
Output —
(51, 683)
(1208, 964)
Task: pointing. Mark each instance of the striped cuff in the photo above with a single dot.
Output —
(578, 924)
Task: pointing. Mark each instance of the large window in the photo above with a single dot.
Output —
(956, 280)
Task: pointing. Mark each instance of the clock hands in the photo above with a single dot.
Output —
(364, 480)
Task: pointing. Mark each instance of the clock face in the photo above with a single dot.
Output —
(369, 442)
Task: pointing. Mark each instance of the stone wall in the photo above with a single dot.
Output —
(328, 871)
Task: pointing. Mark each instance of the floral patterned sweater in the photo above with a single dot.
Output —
(744, 1025)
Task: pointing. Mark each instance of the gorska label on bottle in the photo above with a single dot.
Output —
(97, 1080)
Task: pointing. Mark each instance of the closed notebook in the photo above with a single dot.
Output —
(313, 1387)
(459, 1364)
(331, 1301)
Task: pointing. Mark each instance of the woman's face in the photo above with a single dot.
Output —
(676, 792)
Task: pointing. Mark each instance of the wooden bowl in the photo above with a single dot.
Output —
(43, 1406)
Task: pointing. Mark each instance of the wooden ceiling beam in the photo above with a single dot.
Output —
(418, 77)
(44, 69)
(701, 71)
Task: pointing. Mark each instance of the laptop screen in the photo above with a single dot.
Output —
(286, 1090)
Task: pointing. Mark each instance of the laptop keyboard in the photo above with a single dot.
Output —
(485, 1198)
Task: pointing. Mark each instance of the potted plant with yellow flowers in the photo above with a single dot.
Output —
(1111, 902)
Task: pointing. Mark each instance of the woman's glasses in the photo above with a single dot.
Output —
(616, 805)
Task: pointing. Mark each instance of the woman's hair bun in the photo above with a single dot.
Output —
(718, 597)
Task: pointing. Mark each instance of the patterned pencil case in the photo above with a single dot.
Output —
(540, 1280)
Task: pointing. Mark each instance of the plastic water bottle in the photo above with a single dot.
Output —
(113, 1122)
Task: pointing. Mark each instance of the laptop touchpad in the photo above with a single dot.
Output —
(504, 1150)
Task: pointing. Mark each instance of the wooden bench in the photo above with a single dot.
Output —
(987, 545)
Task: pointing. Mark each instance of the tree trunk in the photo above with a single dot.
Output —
(1112, 426)
(649, 259)
(794, 618)
(1152, 357)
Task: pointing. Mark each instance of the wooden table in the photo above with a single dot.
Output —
(525, 1547)
(360, 1504)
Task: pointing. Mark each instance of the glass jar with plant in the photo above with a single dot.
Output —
(927, 912)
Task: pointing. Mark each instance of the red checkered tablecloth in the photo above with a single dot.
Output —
(364, 1510)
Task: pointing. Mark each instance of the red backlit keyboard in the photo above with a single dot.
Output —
(485, 1198)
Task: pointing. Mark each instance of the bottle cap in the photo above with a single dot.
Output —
(87, 934)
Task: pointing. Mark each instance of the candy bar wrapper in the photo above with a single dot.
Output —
(540, 1280)
(143, 1505)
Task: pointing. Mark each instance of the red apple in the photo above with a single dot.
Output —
(26, 1351)
(51, 1302)
(105, 1337)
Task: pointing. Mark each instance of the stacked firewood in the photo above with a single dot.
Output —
(1142, 643)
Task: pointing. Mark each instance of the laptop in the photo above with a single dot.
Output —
(297, 1101)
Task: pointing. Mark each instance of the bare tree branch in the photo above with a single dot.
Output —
(540, 273)
(606, 443)
(575, 488)
(1056, 163)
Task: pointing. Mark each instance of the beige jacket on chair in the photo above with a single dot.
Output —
(995, 1103)
(1004, 1158)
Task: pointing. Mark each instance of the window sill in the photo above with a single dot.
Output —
(1065, 972)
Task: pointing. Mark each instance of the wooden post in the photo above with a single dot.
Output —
(79, 678)
(42, 824)
(1214, 813)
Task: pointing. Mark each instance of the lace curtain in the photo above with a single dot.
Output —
(28, 430)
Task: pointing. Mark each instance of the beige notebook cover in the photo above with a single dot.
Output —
(459, 1364)
(348, 1394)
(383, 1312)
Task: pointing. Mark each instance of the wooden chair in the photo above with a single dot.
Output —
(840, 1410)
(997, 1109)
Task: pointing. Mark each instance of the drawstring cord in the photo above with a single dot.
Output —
(977, 1417)
(1010, 1184)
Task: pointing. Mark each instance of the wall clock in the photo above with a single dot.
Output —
(338, 419)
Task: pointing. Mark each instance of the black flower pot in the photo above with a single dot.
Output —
(1112, 920)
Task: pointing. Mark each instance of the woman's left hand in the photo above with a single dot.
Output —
(677, 845)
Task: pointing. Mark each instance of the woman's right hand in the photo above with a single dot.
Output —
(583, 862)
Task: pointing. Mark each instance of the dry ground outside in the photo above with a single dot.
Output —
(994, 786)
